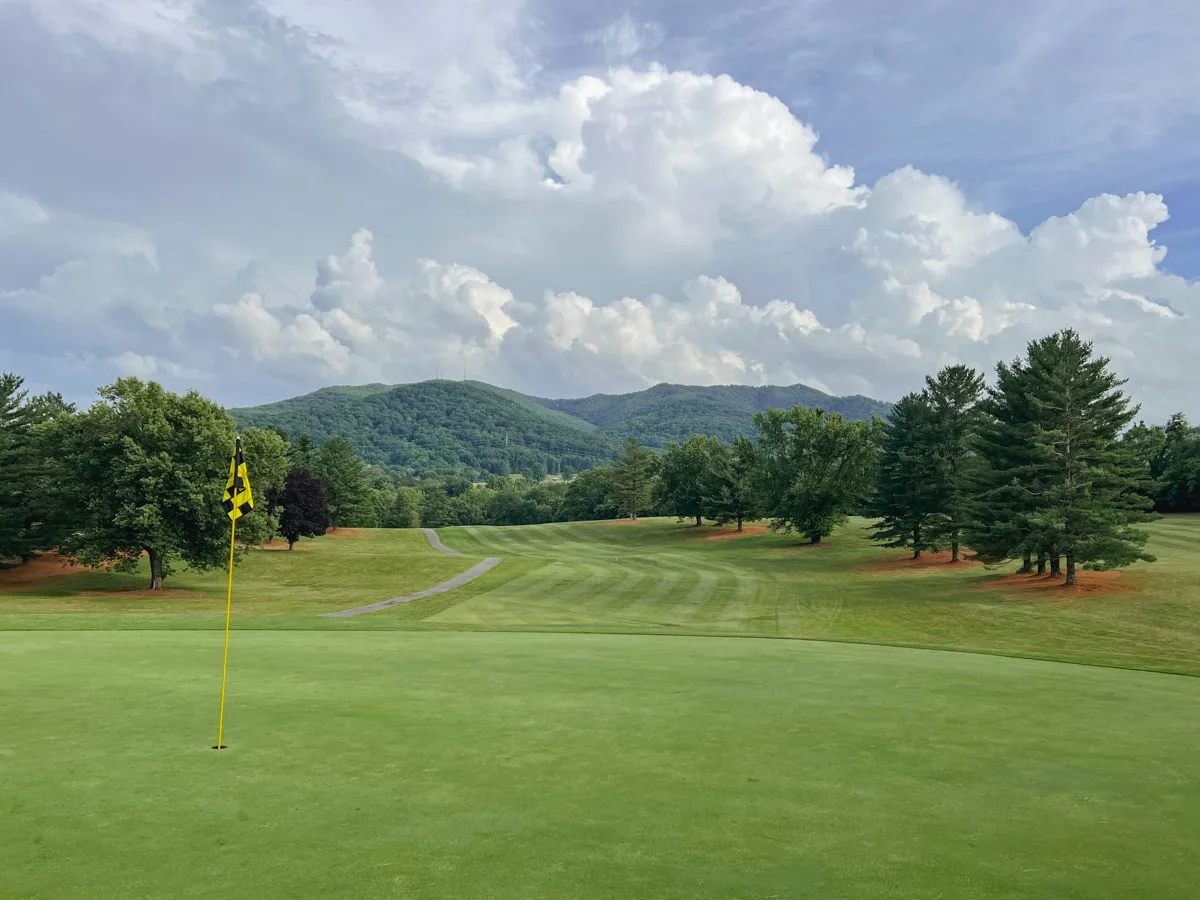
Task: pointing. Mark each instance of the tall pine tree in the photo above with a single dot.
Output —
(908, 498)
(18, 469)
(953, 398)
(730, 488)
(1088, 482)
(633, 478)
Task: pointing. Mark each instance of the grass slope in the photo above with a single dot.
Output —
(547, 766)
(660, 577)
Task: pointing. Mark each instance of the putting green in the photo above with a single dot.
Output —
(462, 765)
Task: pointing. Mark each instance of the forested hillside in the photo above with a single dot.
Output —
(674, 412)
(442, 427)
(439, 427)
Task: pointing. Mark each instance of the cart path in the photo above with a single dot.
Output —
(457, 581)
(436, 543)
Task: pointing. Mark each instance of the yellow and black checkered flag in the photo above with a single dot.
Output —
(238, 499)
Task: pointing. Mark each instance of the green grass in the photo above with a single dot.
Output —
(478, 744)
(659, 577)
(273, 588)
(546, 766)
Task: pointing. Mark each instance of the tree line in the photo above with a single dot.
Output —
(1042, 465)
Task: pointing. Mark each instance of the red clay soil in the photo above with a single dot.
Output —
(940, 561)
(728, 534)
(304, 543)
(48, 565)
(1089, 584)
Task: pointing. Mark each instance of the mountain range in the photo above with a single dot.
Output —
(472, 428)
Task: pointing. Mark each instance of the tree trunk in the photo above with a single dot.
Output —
(1027, 563)
(916, 542)
(291, 544)
(156, 569)
(1070, 566)
(698, 522)
(954, 549)
(739, 520)
(1055, 565)
(814, 538)
(1041, 565)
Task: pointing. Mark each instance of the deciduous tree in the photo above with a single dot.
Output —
(303, 506)
(143, 471)
(684, 474)
(816, 468)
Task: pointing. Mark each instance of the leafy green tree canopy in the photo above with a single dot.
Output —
(143, 471)
(816, 468)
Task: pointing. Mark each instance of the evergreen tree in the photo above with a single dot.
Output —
(1175, 468)
(909, 491)
(1147, 445)
(1004, 498)
(633, 478)
(18, 469)
(817, 467)
(303, 506)
(303, 454)
(1089, 502)
(953, 398)
(683, 475)
(731, 488)
(345, 478)
(436, 511)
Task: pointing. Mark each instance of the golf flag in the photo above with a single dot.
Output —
(237, 502)
(238, 499)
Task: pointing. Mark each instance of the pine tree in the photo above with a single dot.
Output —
(1176, 467)
(909, 495)
(953, 398)
(633, 478)
(18, 469)
(731, 487)
(1089, 502)
(1003, 494)
(345, 478)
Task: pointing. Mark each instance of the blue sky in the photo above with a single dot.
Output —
(259, 198)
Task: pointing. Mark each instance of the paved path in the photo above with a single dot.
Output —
(457, 581)
(436, 542)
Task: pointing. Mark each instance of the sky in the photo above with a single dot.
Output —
(258, 198)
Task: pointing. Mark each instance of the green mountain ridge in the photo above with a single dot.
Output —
(473, 428)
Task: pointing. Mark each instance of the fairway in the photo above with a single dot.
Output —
(514, 766)
(590, 719)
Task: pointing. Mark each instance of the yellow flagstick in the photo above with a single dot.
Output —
(225, 659)
(237, 502)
